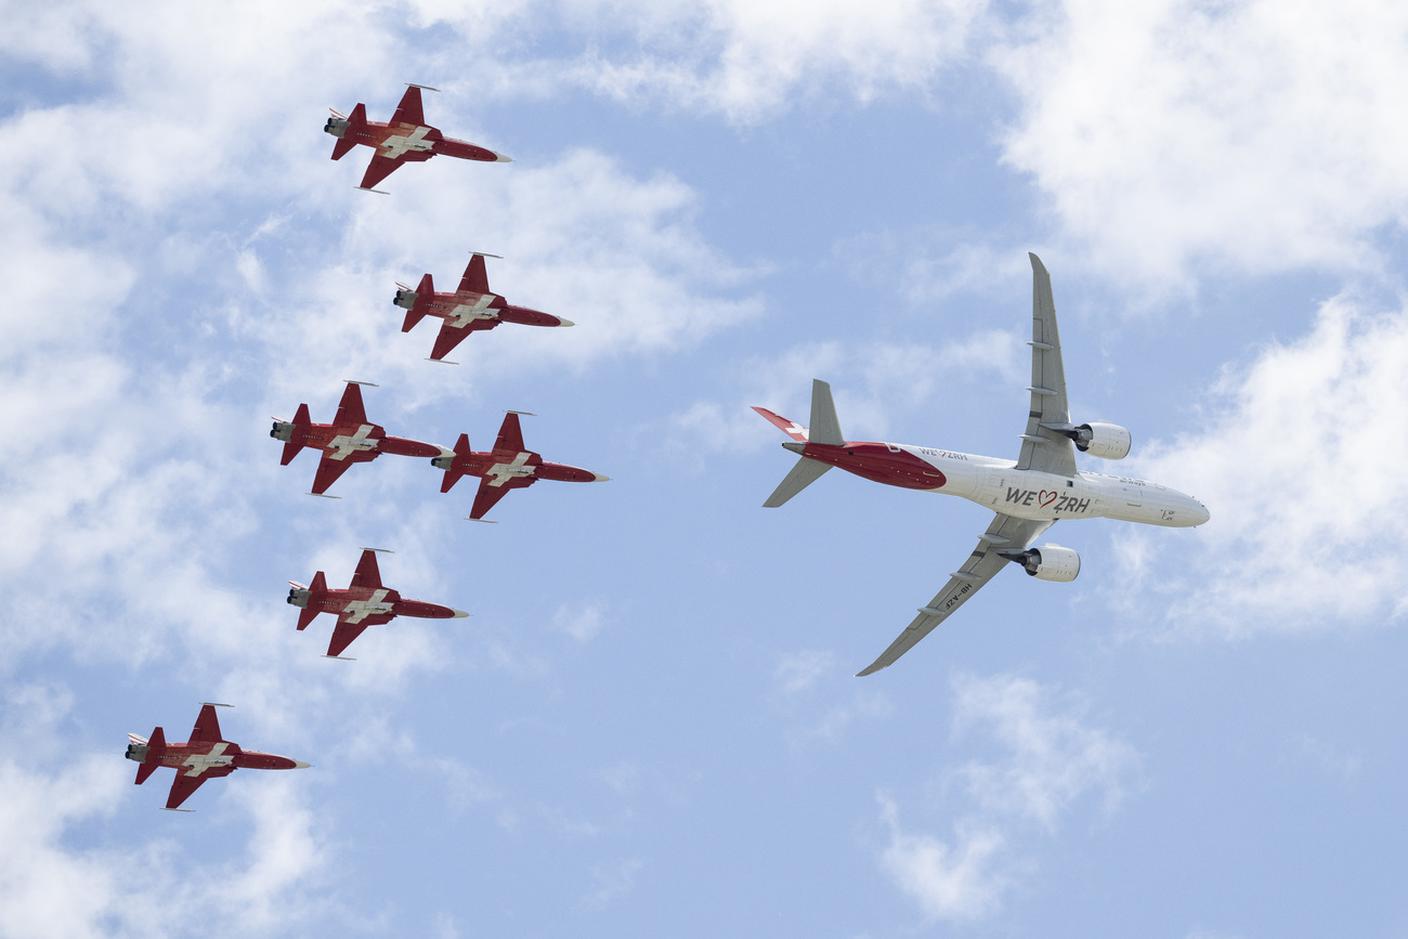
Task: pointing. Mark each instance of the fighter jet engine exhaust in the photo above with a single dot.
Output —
(1048, 562)
(282, 430)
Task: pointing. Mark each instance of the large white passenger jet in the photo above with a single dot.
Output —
(1042, 487)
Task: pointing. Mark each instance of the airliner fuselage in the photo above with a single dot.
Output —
(997, 484)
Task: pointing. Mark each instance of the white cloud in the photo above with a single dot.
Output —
(1259, 136)
(1052, 756)
(1049, 757)
(583, 622)
(958, 881)
(750, 59)
(798, 671)
(1295, 455)
(612, 882)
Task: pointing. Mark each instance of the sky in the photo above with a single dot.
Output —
(650, 723)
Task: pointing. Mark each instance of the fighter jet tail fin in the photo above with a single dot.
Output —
(301, 418)
(156, 746)
(356, 123)
(454, 474)
(425, 293)
(806, 472)
(316, 591)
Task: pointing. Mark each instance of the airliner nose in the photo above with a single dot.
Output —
(1201, 513)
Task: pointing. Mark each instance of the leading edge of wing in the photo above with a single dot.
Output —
(1005, 532)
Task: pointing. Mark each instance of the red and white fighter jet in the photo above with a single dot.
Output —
(510, 465)
(471, 308)
(205, 756)
(407, 138)
(350, 438)
(365, 602)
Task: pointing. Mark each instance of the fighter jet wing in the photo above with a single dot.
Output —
(1045, 448)
(343, 635)
(487, 497)
(475, 278)
(367, 573)
(182, 787)
(510, 434)
(450, 336)
(409, 111)
(1005, 533)
(350, 409)
(207, 729)
(379, 168)
(328, 472)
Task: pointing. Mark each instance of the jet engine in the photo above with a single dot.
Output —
(404, 298)
(336, 126)
(297, 596)
(282, 430)
(137, 752)
(1047, 562)
(1098, 438)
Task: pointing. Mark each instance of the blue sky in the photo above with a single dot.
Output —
(649, 724)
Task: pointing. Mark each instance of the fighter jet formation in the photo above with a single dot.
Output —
(1027, 495)
(351, 438)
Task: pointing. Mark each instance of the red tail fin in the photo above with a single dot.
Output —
(316, 591)
(425, 292)
(356, 123)
(454, 474)
(156, 746)
(301, 418)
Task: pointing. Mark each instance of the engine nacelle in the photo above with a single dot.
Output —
(335, 126)
(298, 596)
(1048, 562)
(137, 752)
(405, 299)
(1107, 441)
(282, 430)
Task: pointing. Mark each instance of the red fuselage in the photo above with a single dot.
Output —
(361, 443)
(338, 601)
(182, 754)
(422, 142)
(879, 462)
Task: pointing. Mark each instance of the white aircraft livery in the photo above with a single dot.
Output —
(1042, 487)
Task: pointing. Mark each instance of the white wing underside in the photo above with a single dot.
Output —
(1044, 448)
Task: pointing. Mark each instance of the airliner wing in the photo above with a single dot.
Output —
(1005, 533)
(1043, 448)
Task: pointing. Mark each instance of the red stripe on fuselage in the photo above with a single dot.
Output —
(878, 462)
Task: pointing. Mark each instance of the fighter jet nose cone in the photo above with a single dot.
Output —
(299, 764)
(460, 614)
(502, 158)
(563, 322)
(598, 478)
